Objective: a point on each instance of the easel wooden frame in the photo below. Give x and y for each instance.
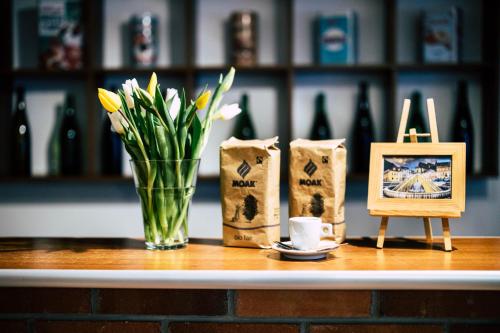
(425, 208)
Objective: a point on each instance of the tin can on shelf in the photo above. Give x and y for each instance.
(243, 27)
(144, 39)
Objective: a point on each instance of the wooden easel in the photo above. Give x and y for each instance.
(414, 139)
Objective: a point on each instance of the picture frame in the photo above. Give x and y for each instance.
(417, 179)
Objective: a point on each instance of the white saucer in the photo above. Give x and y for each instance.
(325, 246)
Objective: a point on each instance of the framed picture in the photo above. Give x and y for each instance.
(417, 179)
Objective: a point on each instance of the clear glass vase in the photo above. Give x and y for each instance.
(165, 189)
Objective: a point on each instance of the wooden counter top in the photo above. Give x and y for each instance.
(207, 264)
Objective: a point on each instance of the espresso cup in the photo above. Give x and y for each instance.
(306, 232)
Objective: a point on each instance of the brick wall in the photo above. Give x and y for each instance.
(34, 310)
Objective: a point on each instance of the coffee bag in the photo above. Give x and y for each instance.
(317, 173)
(249, 182)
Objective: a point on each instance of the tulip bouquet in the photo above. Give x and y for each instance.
(165, 137)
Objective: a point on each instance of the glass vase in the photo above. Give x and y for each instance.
(165, 189)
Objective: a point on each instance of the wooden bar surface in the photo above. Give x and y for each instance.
(356, 254)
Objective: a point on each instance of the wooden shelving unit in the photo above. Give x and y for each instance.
(285, 71)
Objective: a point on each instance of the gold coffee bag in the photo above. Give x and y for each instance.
(317, 173)
(249, 183)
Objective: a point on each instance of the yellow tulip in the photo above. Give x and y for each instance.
(202, 101)
(109, 100)
(152, 85)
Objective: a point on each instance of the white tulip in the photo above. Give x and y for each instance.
(176, 102)
(128, 88)
(118, 124)
(227, 112)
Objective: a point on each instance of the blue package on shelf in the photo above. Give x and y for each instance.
(336, 39)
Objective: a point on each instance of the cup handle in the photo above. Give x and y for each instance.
(326, 229)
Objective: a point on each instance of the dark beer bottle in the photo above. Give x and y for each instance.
(111, 148)
(244, 129)
(70, 140)
(320, 129)
(463, 130)
(416, 117)
(54, 149)
(20, 138)
(363, 131)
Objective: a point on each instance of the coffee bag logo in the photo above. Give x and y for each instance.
(310, 168)
(243, 169)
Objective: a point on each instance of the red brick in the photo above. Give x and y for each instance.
(462, 304)
(475, 328)
(382, 328)
(232, 327)
(50, 300)
(97, 326)
(302, 303)
(13, 326)
(163, 302)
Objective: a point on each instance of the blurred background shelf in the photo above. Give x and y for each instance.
(281, 88)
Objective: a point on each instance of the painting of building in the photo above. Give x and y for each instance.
(426, 177)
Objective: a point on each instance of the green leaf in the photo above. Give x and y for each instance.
(196, 137)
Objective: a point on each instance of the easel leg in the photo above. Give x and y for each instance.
(428, 229)
(381, 231)
(446, 234)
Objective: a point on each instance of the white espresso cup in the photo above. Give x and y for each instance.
(306, 232)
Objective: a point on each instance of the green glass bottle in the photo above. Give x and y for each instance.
(416, 118)
(54, 148)
(463, 130)
(320, 129)
(363, 134)
(70, 140)
(244, 129)
(20, 138)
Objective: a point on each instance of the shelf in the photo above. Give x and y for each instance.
(128, 179)
(356, 68)
(48, 74)
(275, 69)
(286, 82)
(453, 68)
(132, 71)
(65, 179)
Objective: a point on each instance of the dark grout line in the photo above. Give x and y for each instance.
(94, 300)
(231, 303)
(228, 319)
(30, 323)
(375, 304)
(304, 327)
(164, 326)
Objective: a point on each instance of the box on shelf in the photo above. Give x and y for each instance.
(336, 39)
(441, 36)
(60, 34)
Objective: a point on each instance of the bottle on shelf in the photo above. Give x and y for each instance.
(54, 149)
(20, 138)
(244, 128)
(320, 129)
(111, 148)
(70, 140)
(363, 133)
(416, 118)
(463, 129)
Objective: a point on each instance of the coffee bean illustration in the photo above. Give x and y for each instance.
(317, 205)
(250, 207)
